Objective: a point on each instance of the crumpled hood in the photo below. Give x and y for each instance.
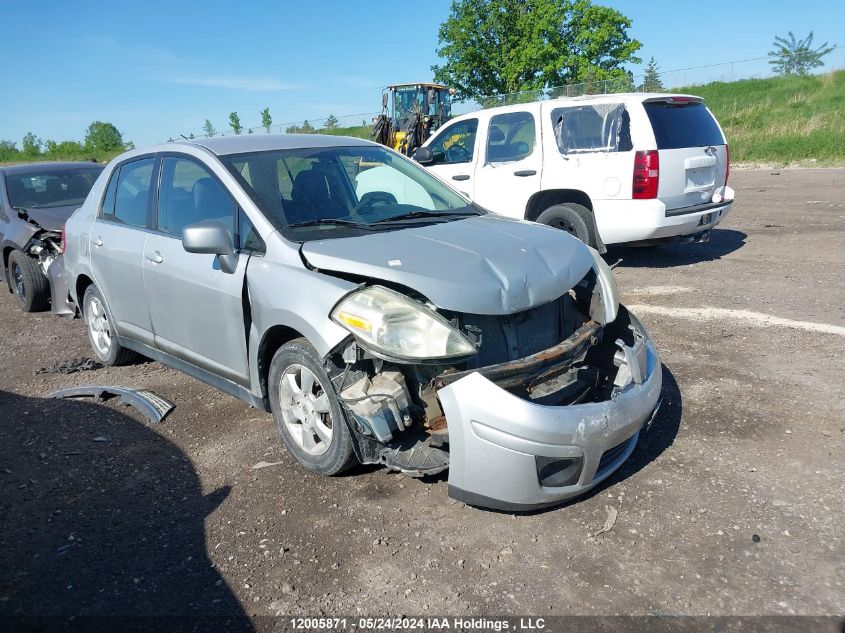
(479, 265)
(52, 219)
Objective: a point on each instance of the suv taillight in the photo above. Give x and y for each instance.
(646, 174)
(727, 163)
(63, 245)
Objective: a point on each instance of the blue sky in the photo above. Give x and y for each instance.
(156, 69)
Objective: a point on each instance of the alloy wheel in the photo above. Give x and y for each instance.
(98, 326)
(17, 276)
(305, 409)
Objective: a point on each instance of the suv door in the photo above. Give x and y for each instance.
(454, 149)
(117, 246)
(196, 309)
(513, 163)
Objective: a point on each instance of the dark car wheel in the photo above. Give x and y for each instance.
(100, 328)
(308, 414)
(575, 219)
(29, 284)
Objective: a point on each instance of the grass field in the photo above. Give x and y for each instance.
(781, 120)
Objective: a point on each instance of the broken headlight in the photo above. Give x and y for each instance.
(392, 325)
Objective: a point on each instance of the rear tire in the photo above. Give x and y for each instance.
(102, 335)
(28, 283)
(307, 411)
(575, 219)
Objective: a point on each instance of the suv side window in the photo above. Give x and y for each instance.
(511, 137)
(602, 127)
(189, 193)
(131, 196)
(455, 143)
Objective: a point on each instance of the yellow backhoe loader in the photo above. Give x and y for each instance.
(410, 113)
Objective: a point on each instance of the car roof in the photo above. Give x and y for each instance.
(244, 143)
(610, 97)
(46, 167)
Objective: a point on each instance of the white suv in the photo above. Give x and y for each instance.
(637, 167)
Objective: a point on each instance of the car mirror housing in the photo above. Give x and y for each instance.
(424, 156)
(211, 238)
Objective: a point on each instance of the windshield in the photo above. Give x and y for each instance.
(45, 189)
(324, 192)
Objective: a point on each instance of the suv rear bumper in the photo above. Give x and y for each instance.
(636, 220)
(499, 442)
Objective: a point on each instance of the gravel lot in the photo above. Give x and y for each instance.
(731, 505)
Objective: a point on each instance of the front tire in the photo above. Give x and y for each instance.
(307, 412)
(101, 332)
(575, 219)
(29, 284)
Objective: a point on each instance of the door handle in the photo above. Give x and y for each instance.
(525, 172)
(155, 257)
(97, 241)
(461, 177)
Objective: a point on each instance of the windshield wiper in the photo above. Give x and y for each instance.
(426, 214)
(330, 222)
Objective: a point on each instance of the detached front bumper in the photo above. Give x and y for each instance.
(508, 453)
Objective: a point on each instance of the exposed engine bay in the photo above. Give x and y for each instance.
(560, 353)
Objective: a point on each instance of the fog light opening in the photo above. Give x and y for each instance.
(556, 472)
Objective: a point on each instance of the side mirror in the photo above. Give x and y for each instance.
(424, 156)
(211, 238)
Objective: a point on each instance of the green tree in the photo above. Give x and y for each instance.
(305, 128)
(63, 149)
(501, 46)
(208, 128)
(266, 119)
(235, 122)
(652, 81)
(8, 150)
(792, 56)
(191, 136)
(104, 137)
(331, 123)
(31, 145)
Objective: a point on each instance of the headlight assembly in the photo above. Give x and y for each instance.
(395, 326)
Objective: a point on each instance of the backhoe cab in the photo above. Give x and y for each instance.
(410, 113)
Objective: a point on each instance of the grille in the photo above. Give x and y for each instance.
(514, 336)
(609, 457)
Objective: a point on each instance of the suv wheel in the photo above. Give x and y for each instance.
(101, 332)
(575, 219)
(308, 414)
(28, 282)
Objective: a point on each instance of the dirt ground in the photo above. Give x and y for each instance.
(731, 505)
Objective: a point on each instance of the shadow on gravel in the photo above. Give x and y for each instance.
(722, 242)
(102, 519)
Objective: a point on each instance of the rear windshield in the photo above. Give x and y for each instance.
(50, 188)
(683, 125)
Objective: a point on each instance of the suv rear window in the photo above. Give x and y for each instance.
(683, 125)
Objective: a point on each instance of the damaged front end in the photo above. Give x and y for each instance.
(525, 409)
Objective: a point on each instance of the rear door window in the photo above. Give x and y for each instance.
(132, 194)
(603, 127)
(678, 125)
(511, 137)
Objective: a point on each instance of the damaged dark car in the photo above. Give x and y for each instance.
(35, 201)
(378, 314)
